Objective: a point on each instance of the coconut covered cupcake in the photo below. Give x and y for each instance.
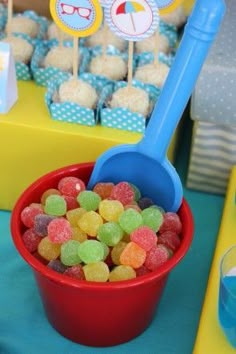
(132, 98)
(79, 92)
(61, 58)
(112, 67)
(153, 73)
(23, 24)
(22, 50)
(54, 32)
(149, 44)
(104, 36)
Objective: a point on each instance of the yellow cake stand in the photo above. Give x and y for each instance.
(33, 144)
(210, 338)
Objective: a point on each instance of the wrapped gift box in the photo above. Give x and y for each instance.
(213, 109)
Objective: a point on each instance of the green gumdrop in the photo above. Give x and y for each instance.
(69, 253)
(91, 251)
(55, 205)
(89, 200)
(152, 217)
(130, 219)
(110, 233)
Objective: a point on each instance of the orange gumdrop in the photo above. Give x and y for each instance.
(133, 255)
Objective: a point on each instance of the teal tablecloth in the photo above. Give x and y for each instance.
(24, 328)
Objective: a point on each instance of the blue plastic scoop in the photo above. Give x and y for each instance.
(145, 164)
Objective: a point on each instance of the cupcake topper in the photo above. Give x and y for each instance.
(167, 6)
(78, 19)
(133, 21)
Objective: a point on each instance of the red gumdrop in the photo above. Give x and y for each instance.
(71, 186)
(169, 239)
(144, 237)
(59, 230)
(142, 271)
(28, 214)
(71, 202)
(76, 272)
(31, 240)
(157, 256)
(123, 192)
(171, 222)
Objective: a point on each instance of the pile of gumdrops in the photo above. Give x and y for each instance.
(110, 233)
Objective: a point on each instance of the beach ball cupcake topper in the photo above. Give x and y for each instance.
(79, 18)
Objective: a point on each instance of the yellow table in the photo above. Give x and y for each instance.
(210, 337)
(33, 144)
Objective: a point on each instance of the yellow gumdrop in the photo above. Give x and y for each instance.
(74, 215)
(116, 252)
(122, 272)
(98, 271)
(90, 223)
(110, 210)
(49, 250)
(78, 235)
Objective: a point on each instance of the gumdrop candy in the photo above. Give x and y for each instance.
(90, 223)
(132, 206)
(29, 213)
(59, 230)
(71, 202)
(170, 239)
(133, 255)
(31, 240)
(137, 193)
(122, 272)
(55, 205)
(69, 253)
(110, 233)
(110, 210)
(123, 192)
(71, 186)
(157, 256)
(145, 202)
(47, 193)
(130, 220)
(74, 215)
(116, 252)
(89, 200)
(145, 237)
(49, 250)
(98, 272)
(153, 218)
(75, 272)
(103, 189)
(171, 222)
(41, 222)
(142, 271)
(57, 265)
(78, 235)
(91, 251)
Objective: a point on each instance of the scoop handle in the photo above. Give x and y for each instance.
(199, 33)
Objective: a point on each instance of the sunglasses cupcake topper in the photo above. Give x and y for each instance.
(78, 19)
(167, 6)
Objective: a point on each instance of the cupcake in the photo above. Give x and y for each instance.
(112, 67)
(149, 44)
(153, 73)
(105, 36)
(23, 24)
(59, 57)
(22, 50)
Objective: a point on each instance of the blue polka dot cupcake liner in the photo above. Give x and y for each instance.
(170, 31)
(67, 111)
(148, 58)
(122, 118)
(42, 75)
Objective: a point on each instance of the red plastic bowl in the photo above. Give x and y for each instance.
(90, 313)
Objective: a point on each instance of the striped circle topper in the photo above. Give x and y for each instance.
(132, 20)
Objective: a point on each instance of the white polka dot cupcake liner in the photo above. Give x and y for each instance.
(42, 75)
(122, 118)
(71, 112)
